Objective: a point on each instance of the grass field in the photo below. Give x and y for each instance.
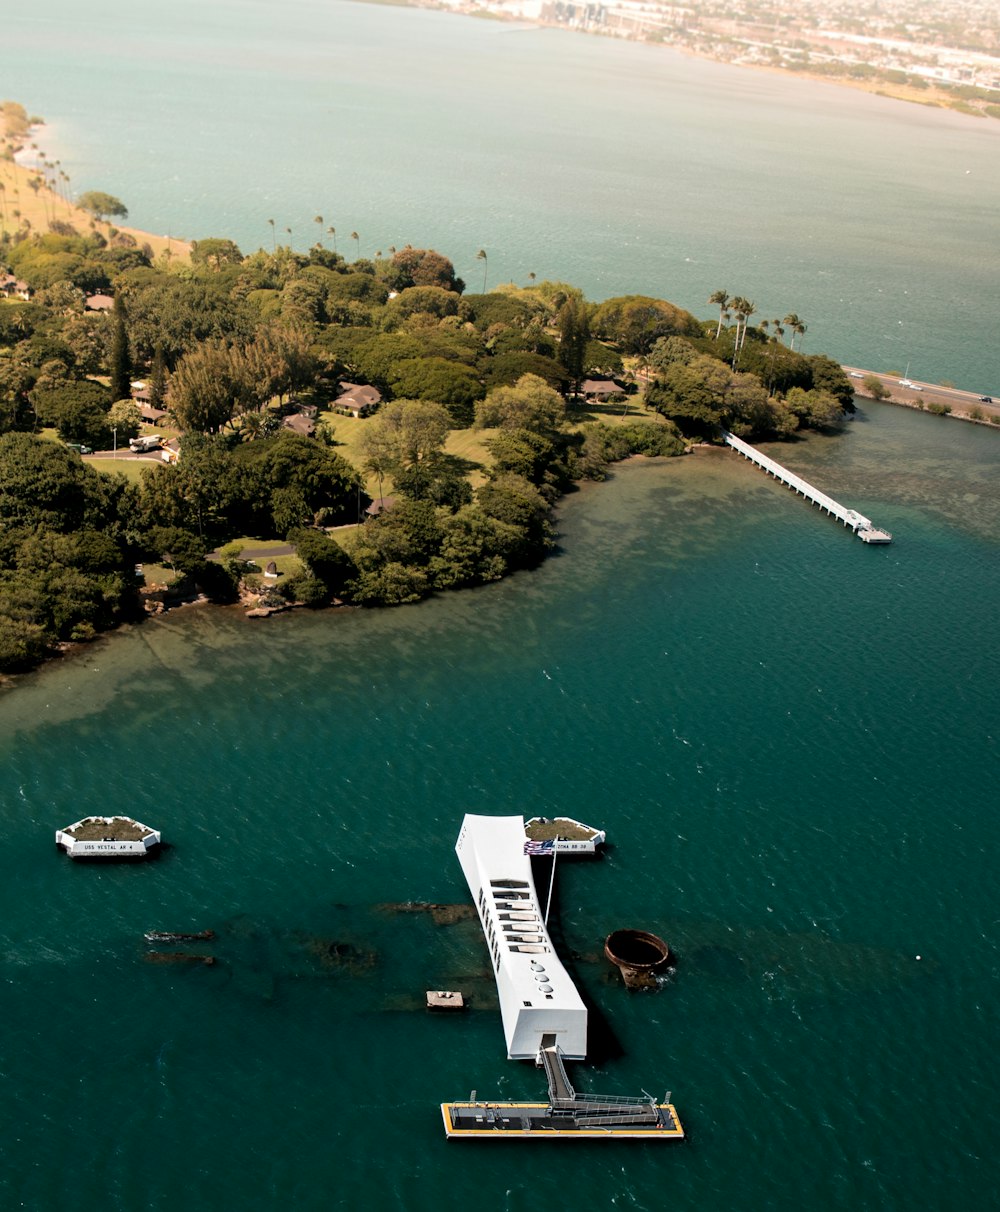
(131, 469)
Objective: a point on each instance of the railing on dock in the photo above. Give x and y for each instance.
(863, 527)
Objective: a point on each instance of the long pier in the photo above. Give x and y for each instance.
(863, 527)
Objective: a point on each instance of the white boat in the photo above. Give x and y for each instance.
(107, 837)
(561, 835)
(538, 1000)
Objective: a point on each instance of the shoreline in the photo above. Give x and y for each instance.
(32, 209)
(929, 96)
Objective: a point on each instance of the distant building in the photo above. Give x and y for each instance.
(357, 399)
(299, 423)
(600, 389)
(14, 288)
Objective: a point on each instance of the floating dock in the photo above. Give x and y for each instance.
(863, 527)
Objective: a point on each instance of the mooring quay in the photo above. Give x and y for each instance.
(863, 527)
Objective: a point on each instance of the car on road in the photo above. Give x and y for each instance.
(79, 447)
(985, 399)
(905, 383)
(856, 374)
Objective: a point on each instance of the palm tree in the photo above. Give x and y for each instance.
(288, 232)
(721, 299)
(797, 327)
(274, 243)
(357, 243)
(318, 220)
(481, 256)
(332, 231)
(748, 310)
(739, 306)
(531, 275)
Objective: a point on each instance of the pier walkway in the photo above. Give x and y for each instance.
(863, 527)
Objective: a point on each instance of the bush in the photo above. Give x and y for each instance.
(308, 591)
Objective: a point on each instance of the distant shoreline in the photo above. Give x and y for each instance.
(39, 207)
(930, 96)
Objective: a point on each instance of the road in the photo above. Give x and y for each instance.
(921, 392)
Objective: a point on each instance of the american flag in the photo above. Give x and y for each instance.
(546, 847)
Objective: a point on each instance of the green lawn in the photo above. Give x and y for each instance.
(131, 469)
(465, 444)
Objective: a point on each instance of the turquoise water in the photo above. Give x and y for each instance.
(619, 167)
(791, 739)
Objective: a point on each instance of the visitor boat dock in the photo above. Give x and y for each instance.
(863, 527)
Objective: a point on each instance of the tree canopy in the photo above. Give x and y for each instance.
(102, 205)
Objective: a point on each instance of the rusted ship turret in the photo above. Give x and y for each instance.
(638, 955)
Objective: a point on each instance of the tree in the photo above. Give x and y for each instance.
(44, 484)
(440, 380)
(515, 501)
(215, 253)
(207, 387)
(481, 256)
(326, 559)
(102, 205)
(530, 404)
(574, 338)
(874, 386)
(721, 299)
(158, 379)
(120, 362)
(78, 408)
(692, 395)
(124, 419)
(405, 432)
(796, 326)
(421, 267)
(829, 376)
(636, 322)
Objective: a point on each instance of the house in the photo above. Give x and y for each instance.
(600, 389)
(141, 398)
(357, 399)
(14, 288)
(301, 424)
(380, 505)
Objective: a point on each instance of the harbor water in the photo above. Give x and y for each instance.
(790, 737)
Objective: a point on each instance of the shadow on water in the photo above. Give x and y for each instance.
(603, 1045)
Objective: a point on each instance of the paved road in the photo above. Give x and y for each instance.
(929, 392)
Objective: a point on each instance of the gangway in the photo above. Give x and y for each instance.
(863, 527)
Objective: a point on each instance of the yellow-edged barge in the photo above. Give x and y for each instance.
(619, 1118)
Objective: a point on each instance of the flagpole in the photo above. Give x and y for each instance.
(552, 880)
